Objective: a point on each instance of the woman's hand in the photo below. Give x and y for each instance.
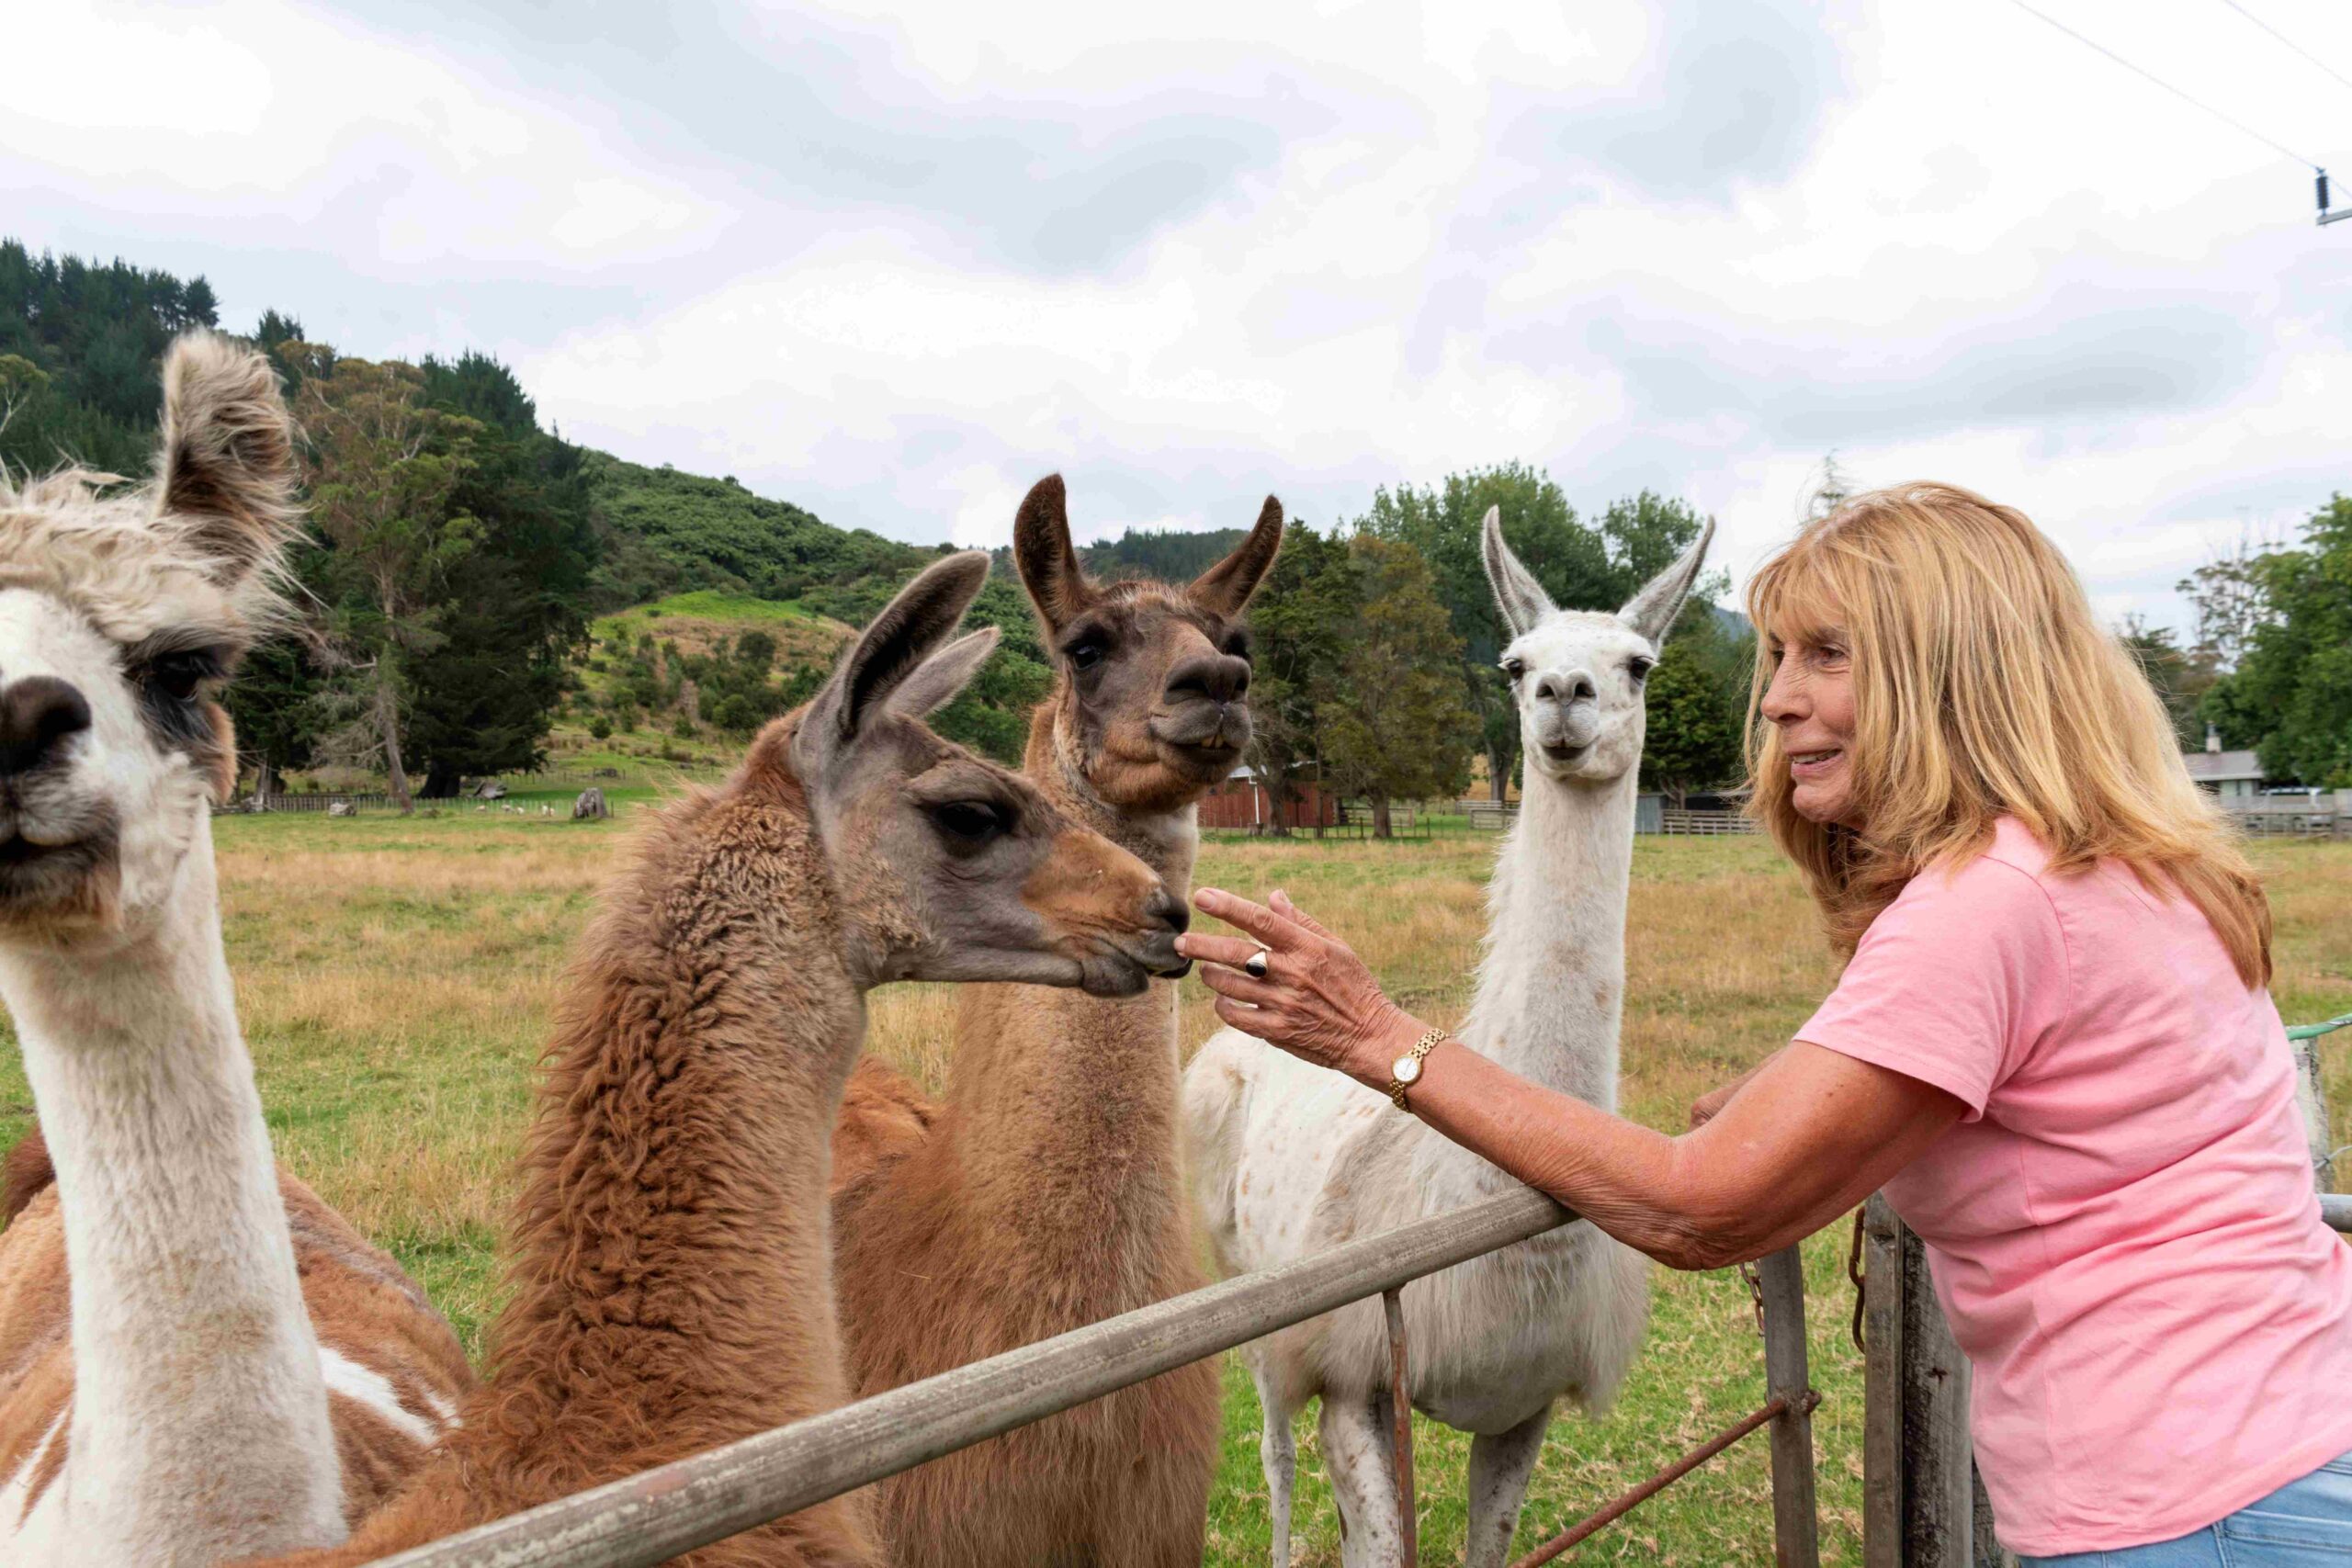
(1318, 1001)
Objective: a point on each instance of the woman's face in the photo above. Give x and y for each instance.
(1811, 700)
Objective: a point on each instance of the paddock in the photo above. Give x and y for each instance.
(395, 976)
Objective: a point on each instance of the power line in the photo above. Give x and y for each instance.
(2290, 43)
(2231, 120)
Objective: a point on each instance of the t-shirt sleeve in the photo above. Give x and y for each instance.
(1954, 983)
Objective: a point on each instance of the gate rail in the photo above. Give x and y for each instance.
(653, 1516)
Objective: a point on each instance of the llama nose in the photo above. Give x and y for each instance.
(1219, 677)
(1574, 687)
(1169, 910)
(38, 716)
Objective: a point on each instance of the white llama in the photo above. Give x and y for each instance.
(166, 1397)
(1289, 1159)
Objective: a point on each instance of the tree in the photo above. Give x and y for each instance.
(512, 610)
(1300, 627)
(1697, 708)
(1396, 723)
(2229, 596)
(384, 465)
(2180, 676)
(1831, 491)
(2293, 683)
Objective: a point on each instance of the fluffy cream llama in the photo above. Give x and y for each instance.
(1290, 1159)
(198, 1358)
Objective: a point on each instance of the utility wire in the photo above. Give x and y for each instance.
(2230, 120)
(2290, 43)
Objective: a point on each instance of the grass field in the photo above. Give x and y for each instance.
(395, 978)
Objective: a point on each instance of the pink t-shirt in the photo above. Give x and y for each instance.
(2123, 1229)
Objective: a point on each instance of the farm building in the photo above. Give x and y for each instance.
(2233, 776)
(1243, 803)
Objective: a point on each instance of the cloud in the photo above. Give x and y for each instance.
(894, 266)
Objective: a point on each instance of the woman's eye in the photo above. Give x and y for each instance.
(970, 823)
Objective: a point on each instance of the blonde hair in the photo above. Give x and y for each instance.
(1982, 688)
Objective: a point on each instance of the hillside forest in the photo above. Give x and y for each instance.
(478, 596)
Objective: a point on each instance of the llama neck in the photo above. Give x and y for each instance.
(1063, 1104)
(674, 1234)
(199, 1421)
(1550, 986)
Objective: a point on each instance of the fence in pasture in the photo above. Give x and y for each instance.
(1708, 824)
(307, 802)
(651, 1517)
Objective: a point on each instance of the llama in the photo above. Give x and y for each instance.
(673, 1258)
(1044, 1194)
(198, 1358)
(1289, 1159)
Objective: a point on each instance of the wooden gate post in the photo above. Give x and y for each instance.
(1796, 1518)
(1922, 1504)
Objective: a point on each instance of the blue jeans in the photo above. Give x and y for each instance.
(2307, 1521)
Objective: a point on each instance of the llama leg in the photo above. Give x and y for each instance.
(1355, 1456)
(1278, 1454)
(1500, 1464)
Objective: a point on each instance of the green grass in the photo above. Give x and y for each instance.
(396, 977)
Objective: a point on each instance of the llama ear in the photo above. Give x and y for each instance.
(1652, 611)
(1048, 563)
(1517, 595)
(937, 679)
(1225, 588)
(228, 460)
(892, 648)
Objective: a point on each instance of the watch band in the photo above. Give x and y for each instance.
(1407, 1068)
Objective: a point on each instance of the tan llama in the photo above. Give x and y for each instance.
(671, 1254)
(1045, 1193)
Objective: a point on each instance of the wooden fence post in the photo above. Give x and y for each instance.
(1796, 1517)
(1923, 1505)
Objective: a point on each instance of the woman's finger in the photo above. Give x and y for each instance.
(1230, 951)
(1257, 919)
(1234, 983)
(1244, 1018)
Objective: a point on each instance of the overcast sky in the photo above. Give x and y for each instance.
(894, 267)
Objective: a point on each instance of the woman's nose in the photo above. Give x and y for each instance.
(1783, 698)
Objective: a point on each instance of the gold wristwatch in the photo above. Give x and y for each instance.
(1406, 1071)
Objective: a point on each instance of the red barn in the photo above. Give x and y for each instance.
(1243, 805)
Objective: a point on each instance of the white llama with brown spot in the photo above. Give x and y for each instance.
(199, 1359)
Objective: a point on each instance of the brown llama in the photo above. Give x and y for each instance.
(671, 1257)
(198, 1358)
(1044, 1194)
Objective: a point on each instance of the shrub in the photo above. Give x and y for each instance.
(601, 727)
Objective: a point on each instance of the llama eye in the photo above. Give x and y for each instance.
(1514, 668)
(1639, 668)
(1085, 655)
(177, 675)
(969, 825)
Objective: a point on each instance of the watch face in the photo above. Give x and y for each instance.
(1408, 1069)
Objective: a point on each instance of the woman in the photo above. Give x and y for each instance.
(2054, 1046)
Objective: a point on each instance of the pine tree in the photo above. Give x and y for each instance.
(1396, 725)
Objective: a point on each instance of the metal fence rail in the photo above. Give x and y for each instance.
(658, 1514)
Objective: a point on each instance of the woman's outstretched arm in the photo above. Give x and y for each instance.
(1804, 1139)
